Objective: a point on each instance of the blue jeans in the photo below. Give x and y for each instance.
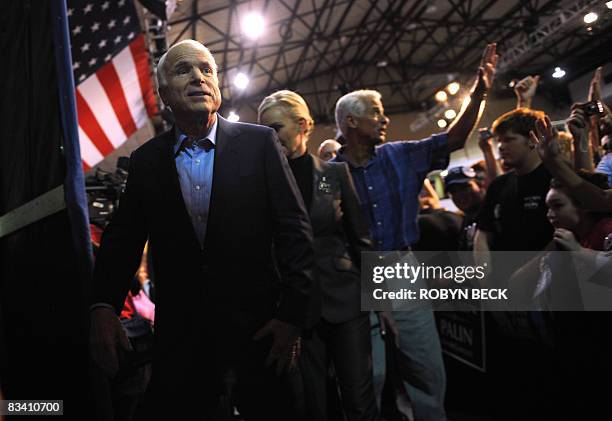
(420, 344)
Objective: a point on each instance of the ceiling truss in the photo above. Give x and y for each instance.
(406, 49)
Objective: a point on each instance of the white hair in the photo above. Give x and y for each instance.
(354, 104)
(331, 142)
(161, 71)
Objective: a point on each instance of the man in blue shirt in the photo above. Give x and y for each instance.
(232, 251)
(605, 165)
(388, 178)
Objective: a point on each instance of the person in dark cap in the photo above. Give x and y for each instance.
(467, 193)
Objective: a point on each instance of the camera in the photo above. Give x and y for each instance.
(592, 108)
(485, 133)
(103, 191)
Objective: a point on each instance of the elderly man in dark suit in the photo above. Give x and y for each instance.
(232, 252)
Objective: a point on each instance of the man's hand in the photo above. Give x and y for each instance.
(486, 71)
(286, 344)
(578, 125)
(605, 125)
(605, 122)
(566, 240)
(387, 323)
(485, 138)
(106, 335)
(525, 90)
(460, 129)
(545, 139)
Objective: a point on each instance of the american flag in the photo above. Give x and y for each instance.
(114, 92)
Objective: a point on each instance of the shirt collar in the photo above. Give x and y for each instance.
(341, 156)
(182, 137)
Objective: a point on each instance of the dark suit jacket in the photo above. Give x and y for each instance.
(340, 235)
(233, 284)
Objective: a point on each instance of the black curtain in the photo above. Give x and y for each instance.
(43, 314)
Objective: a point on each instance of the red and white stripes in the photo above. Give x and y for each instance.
(114, 102)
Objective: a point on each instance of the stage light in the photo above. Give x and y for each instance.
(590, 17)
(450, 114)
(453, 88)
(442, 123)
(559, 73)
(253, 25)
(441, 96)
(233, 117)
(382, 63)
(609, 4)
(241, 81)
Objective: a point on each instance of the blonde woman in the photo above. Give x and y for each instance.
(342, 334)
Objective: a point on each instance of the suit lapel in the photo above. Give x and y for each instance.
(164, 168)
(226, 132)
(320, 178)
(225, 177)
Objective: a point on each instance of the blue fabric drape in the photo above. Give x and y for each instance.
(74, 183)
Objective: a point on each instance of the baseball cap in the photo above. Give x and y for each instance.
(457, 175)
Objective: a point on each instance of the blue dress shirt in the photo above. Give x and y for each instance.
(194, 161)
(389, 185)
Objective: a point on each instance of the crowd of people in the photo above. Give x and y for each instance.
(256, 248)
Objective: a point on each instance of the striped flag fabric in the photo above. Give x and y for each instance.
(110, 61)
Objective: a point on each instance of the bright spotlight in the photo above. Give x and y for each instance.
(609, 4)
(441, 96)
(559, 73)
(442, 123)
(233, 117)
(453, 88)
(253, 25)
(450, 114)
(590, 17)
(241, 81)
